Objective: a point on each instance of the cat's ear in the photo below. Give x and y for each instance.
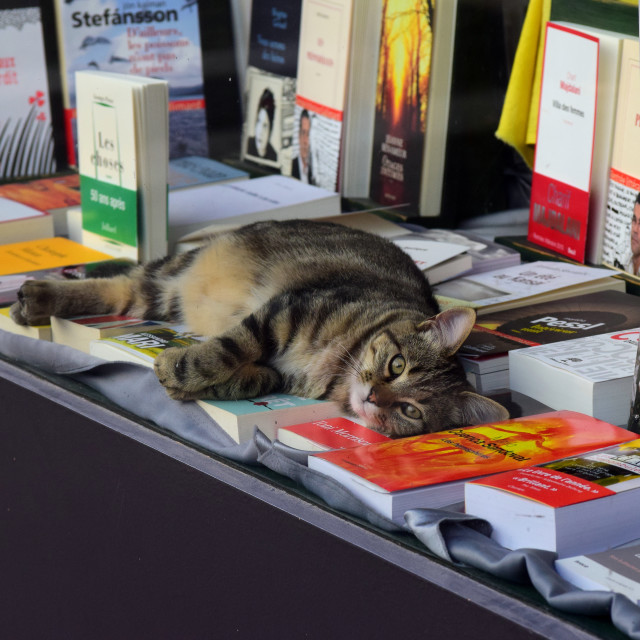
(450, 328)
(477, 409)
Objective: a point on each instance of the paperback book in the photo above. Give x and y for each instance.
(27, 144)
(616, 570)
(153, 40)
(123, 163)
(196, 171)
(236, 417)
(327, 434)
(524, 284)
(593, 374)
(39, 332)
(580, 504)
(79, 331)
(485, 352)
(429, 471)
(20, 222)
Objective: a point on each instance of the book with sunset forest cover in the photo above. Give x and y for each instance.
(412, 104)
(429, 471)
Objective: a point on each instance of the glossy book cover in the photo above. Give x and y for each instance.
(469, 452)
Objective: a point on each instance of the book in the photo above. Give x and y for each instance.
(616, 570)
(236, 417)
(79, 331)
(160, 41)
(621, 244)
(46, 257)
(593, 374)
(270, 84)
(486, 255)
(27, 142)
(429, 471)
(195, 171)
(581, 504)
(573, 145)
(269, 413)
(123, 162)
(197, 213)
(524, 284)
(412, 105)
(327, 434)
(486, 349)
(39, 332)
(323, 69)
(55, 194)
(20, 222)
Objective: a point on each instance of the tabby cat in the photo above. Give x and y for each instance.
(308, 308)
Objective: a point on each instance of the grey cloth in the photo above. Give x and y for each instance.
(455, 537)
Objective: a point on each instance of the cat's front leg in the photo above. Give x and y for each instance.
(219, 369)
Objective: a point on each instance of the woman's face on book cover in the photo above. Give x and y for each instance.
(262, 131)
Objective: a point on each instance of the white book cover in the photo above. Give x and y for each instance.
(428, 253)
(599, 358)
(26, 136)
(520, 281)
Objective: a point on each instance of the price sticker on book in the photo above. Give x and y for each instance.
(560, 187)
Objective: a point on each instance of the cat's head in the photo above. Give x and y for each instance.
(408, 380)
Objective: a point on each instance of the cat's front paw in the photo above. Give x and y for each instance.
(175, 371)
(36, 303)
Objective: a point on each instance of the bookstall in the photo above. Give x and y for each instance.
(125, 518)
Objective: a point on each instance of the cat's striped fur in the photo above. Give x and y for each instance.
(313, 309)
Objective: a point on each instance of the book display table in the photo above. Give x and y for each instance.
(114, 529)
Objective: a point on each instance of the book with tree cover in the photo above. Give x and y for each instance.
(159, 39)
(430, 470)
(581, 504)
(123, 163)
(412, 104)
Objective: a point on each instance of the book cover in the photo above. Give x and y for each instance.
(123, 163)
(549, 322)
(46, 253)
(469, 452)
(159, 40)
(27, 146)
(323, 67)
(274, 37)
(20, 222)
(412, 104)
(566, 506)
(616, 570)
(621, 241)
(593, 374)
(561, 184)
(331, 433)
(523, 284)
(79, 331)
(39, 332)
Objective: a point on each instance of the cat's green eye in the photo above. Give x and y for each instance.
(397, 365)
(411, 412)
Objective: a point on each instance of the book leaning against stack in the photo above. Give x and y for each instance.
(123, 155)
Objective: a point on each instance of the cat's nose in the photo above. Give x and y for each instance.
(372, 397)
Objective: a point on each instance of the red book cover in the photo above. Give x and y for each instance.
(575, 479)
(469, 452)
(332, 433)
(561, 180)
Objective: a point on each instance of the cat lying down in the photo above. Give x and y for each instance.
(308, 308)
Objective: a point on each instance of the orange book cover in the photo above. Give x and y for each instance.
(46, 194)
(468, 452)
(47, 253)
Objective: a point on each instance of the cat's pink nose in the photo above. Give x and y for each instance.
(372, 397)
